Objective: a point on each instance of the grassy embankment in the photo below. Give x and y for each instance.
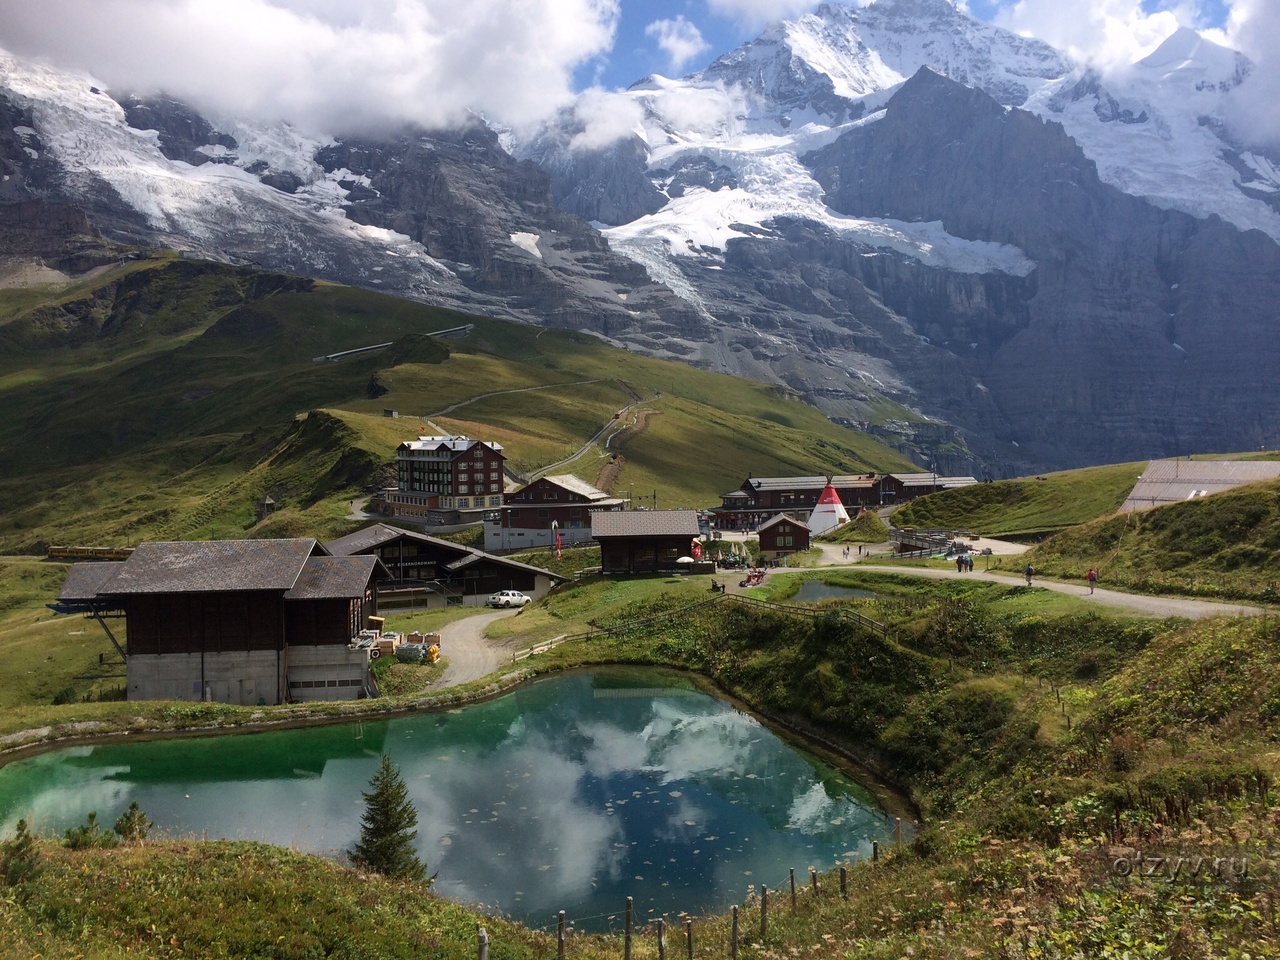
(163, 400)
(1223, 546)
(1169, 751)
(1026, 507)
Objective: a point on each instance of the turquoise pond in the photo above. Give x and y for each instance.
(570, 793)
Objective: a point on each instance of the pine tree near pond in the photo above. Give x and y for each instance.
(387, 829)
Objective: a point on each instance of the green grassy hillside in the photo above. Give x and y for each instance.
(1224, 546)
(1030, 505)
(1047, 752)
(162, 400)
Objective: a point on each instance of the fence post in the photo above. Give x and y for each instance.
(793, 889)
(844, 882)
(764, 912)
(560, 936)
(626, 942)
(688, 935)
(483, 947)
(813, 877)
(897, 831)
(875, 851)
(662, 939)
(733, 941)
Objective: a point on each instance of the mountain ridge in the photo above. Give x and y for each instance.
(716, 242)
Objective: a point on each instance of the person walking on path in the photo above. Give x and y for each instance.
(1092, 577)
(1030, 571)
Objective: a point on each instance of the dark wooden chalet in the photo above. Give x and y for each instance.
(644, 541)
(531, 516)
(429, 571)
(781, 536)
(237, 621)
(761, 498)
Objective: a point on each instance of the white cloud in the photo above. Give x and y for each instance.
(1253, 28)
(1106, 33)
(757, 13)
(605, 117)
(679, 39)
(325, 65)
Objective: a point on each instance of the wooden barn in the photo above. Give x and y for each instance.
(431, 572)
(236, 621)
(644, 541)
(781, 536)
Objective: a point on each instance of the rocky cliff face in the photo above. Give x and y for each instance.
(1146, 332)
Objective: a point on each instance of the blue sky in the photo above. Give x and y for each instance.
(336, 66)
(722, 25)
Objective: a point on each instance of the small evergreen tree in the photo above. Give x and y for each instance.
(90, 835)
(19, 858)
(133, 825)
(387, 828)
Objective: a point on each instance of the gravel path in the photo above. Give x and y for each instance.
(1148, 606)
(468, 653)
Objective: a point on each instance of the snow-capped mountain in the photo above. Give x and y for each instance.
(895, 201)
(724, 159)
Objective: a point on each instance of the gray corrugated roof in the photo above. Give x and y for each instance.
(932, 479)
(85, 580)
(1172, 481)
(804, 483)
(211, 566)
(373, 536)
(644, 523)
(380, 533)
(333, 578)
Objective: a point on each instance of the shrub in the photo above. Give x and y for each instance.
(90, 835)
(64, 696)
(19, 858)
(133, 825)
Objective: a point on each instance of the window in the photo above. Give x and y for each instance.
(495, 475)
(463, 488)
(495, 501)
(463, 501)
(463, 478)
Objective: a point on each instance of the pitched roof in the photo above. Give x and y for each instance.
(455, 444)
(568, 481)
(644, 523)
(380, 533)
(84, 580)
(778, 519)
(325, 578)
(208, 566)
(367, 538)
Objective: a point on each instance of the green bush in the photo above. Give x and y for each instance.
(133, 825)
(90, 835)
(19, 858)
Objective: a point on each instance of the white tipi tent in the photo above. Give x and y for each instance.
(829, 512)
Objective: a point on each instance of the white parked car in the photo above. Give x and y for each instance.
(507, 598)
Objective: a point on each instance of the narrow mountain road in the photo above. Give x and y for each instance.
(469, 654)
